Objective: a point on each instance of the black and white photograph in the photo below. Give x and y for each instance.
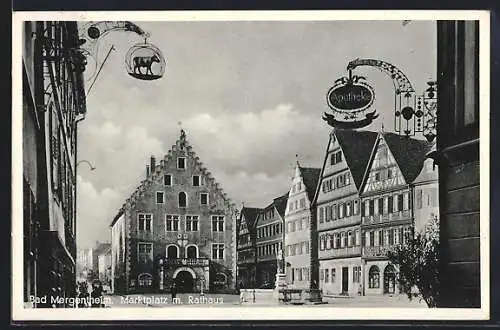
(250, 165)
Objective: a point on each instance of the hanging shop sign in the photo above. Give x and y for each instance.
(350, 99)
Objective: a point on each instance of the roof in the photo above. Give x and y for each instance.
(250, 214)
(356, 147)
(117, 216)
(310, 177)
(409, 154)
(280, 204)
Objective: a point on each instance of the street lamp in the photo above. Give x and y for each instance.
(86, 161)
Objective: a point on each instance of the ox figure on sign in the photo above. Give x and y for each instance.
(145, 62)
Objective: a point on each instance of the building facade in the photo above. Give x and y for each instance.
(177, 227)
(246, 248)
(53, 103)
(104, 266)
(269, 241)
(338, 207)
(458, 159)
(297, 241)
(388, 212)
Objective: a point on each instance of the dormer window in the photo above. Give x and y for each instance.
(167, 180)
(182, 199)
(196, 180)
(181, 162)
(160, 197)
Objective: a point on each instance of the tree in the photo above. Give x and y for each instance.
(418, 263)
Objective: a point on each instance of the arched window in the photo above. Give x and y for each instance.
(374, 277)
(191, 251)
(145, 280)
(182, 199)
(172, 252)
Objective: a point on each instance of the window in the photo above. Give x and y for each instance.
(204, 198)
(342, 239)
(348, 209)
(406, 201)
(356, 274)
(400, 202)
(341, 211)
(321, 215)
(172, 251)
(328, 242)
(182, 199)
(192, 222)
(374, 277)
(356, 207)
(333, 275)
(380, 206)
(349, 238)
(381, 237)
(299, 186)
(390, 204)
(144, 252)
(377, 176)
(389, 173)
(406, 234)
(181, 162)
(218, 251)
(218, 223)
(332, 241)
(327, 273)
(160, 197)
(192, 252)
(145, 222)
(371, 209)
(299, 274)
(172, 222)
(372, 238)
(334, 212)
(302, 203)
(321, 275)
(322, 242)
(356, 238)
(167, 180)
(306, 247)
(337, 240)
(391, 236)
(418, 197)
(196, 180)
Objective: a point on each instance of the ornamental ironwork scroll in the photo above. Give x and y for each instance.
(412, 114)
(142, 56)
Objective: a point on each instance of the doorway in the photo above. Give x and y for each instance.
(345, 280)
(389, 280)
(184, 282)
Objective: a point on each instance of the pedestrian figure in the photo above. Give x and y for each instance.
(96, 294)
(173, 291)
(83, 295)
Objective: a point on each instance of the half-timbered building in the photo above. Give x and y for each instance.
(387, 205)
(338, 218)
(246, 248)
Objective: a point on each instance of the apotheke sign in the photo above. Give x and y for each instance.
(350, 96)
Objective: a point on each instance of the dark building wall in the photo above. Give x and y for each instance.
(49, 153)
(458, 159)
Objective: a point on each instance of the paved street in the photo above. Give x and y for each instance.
(227, 300)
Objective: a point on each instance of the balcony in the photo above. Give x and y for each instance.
(377, 251)
(384, 218)
(191, 262)
(344, 252)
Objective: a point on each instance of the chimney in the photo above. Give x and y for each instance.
(147, 171)
(153, 164)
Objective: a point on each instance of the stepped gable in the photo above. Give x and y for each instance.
(159, 168)
(409, 154)
(280, 204)
(310, 177)
(357, 147)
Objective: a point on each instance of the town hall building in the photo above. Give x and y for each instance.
(178, 227)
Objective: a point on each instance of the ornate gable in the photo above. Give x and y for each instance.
(383, 170)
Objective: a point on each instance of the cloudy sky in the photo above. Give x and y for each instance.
(250, 96)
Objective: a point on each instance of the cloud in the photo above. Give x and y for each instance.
(95, 212)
